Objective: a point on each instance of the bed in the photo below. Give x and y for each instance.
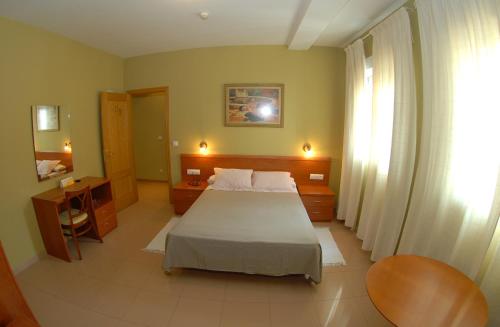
(267, 233)
(52, 164)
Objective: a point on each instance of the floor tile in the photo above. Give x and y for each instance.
(152, 309)
(246, 314)
(204, 285)
(288, 289)
(194, 312)
(246, 288)
(294, 314)
(114, 299)
(334, 286)
(340, 313)
(371, 314)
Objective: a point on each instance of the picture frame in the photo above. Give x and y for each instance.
(254, 105)
(47, 118)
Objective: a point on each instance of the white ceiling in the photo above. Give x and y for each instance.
(135, 27)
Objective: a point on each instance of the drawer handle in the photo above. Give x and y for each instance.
(316, 212)
(317, 201)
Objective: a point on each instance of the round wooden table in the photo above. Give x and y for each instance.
(411, 290)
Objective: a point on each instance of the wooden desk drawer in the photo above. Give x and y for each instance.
(320, 213)
(107, 224)
(105, 210)
(186, 195)
(105, 217)
(317, 201)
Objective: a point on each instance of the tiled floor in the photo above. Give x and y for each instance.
(117, 284)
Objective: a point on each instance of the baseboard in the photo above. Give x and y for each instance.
(25, 265)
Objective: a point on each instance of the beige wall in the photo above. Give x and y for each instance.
(38, 67)
(313, 103)
(149, 123)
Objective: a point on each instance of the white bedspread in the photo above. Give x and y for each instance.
(250, 232)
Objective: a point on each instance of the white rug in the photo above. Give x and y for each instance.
(330, 251)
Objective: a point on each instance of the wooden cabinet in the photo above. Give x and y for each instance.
(318, 200)
(48, 205)
(184, 195)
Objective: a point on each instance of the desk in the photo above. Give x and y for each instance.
(411, 290)
(49, 204)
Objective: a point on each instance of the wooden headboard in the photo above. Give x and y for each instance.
(65, 157)
(299, 167)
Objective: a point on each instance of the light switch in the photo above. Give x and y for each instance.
(175, 143)
(160, 138)
(316, 177)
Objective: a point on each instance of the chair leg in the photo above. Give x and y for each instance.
(77, 244)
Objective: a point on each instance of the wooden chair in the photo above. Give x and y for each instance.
(78, 218)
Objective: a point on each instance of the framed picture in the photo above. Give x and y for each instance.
(47, 118)
(254, 105)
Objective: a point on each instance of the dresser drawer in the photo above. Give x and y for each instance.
(317, 201)
(186, 195)
(107, 224)
(320, 213)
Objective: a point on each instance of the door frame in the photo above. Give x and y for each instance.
(161, 90)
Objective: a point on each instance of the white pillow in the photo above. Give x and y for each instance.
(59, 167)
(211, 180)
(46, 166)
(272, 181)
(232, 179)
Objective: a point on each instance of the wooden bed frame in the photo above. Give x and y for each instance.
(299, 167)
(65, 157)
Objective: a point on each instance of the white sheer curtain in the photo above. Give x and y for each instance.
(454, 207)
(393, 137)
(356, 134)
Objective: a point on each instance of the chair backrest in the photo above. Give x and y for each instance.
(82, 198)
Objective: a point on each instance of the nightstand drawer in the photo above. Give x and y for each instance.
(317, 201)
(180, 207)
(186, 195)
(320, 213)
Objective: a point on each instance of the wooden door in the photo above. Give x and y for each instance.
(116, 125)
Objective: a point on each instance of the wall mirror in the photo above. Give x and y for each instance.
(51, 141)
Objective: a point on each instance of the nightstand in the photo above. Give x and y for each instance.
(319, 201)
(184, 195)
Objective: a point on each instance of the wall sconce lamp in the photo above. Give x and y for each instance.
(67, 146)
(203, 147)
(308, 152)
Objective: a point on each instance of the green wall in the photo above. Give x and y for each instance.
(149, 123)
(38, 67)
(313, 99)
